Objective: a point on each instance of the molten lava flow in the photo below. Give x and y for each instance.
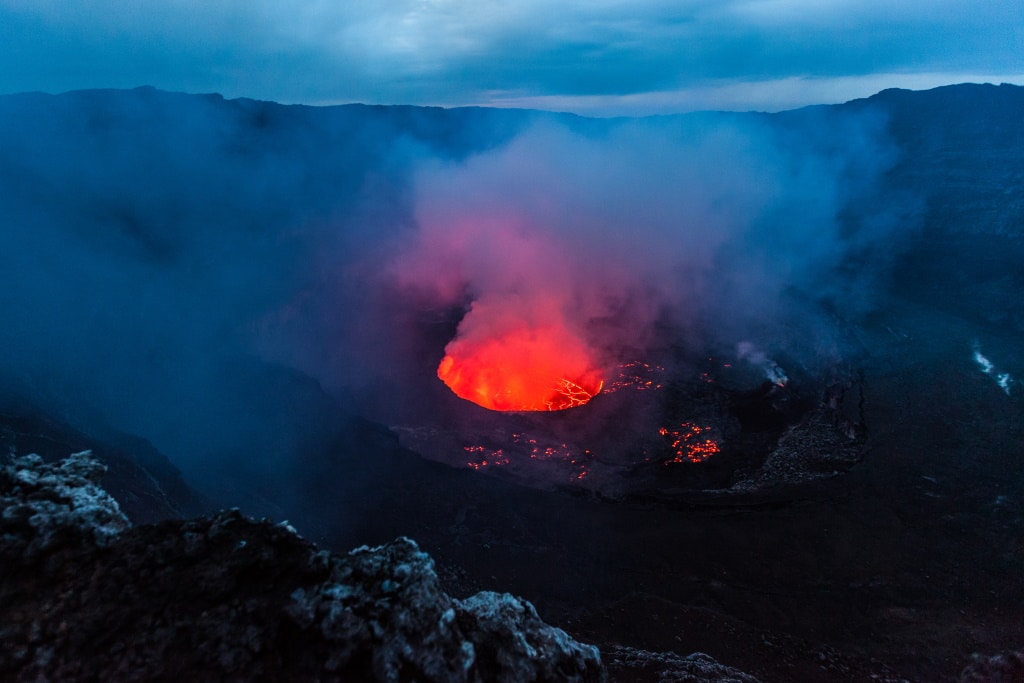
(486, 457)
(522, 369)
(637, 375)
(690, 443)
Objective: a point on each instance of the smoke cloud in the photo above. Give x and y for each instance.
(709, 231)
(224, 277)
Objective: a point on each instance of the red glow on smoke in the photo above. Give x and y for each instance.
(522, 369)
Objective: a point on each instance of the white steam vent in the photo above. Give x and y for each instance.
(1003, 379)
(772, 370)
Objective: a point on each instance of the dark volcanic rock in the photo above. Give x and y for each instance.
(84, 597)
(147, 487)
(47, 506)
(1005, 667)
(513, 643)
(628, 663)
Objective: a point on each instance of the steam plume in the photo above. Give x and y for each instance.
(185, 266)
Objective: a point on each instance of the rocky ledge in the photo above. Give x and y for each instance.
(85, 596)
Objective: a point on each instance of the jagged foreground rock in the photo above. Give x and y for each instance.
(85, 597)
(1005, 667)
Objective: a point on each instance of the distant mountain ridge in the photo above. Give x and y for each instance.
(964, 149)
(962, 145)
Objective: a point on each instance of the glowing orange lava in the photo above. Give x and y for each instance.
(690, 443)
(522, 369)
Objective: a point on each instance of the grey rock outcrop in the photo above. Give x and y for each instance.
(1005, 667)
(46, 505)
(83, 597)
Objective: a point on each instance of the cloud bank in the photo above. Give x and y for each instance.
(639, 55)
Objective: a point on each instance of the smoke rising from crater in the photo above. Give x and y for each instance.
(196, 270)
(715, 231)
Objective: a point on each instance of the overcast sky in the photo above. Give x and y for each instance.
(590, 56)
